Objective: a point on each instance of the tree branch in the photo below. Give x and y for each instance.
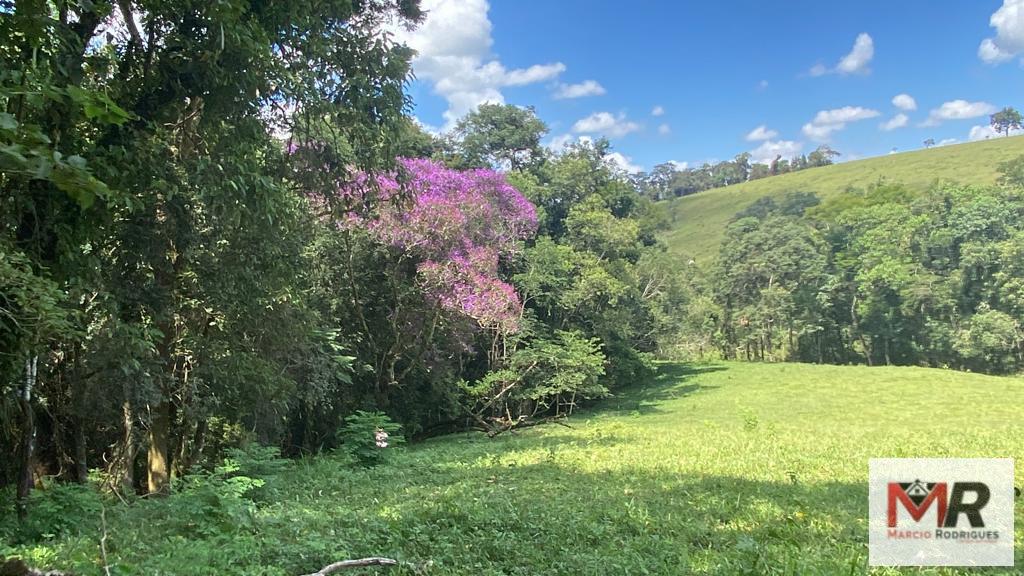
(374, 561)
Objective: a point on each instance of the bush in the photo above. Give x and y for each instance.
(368, 436)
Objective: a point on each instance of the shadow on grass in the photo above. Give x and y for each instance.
(672, 381)
(550, 518)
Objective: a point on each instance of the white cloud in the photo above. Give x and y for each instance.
(844, 114)
(826, 122)
(898, 121)
(769, 149)
(679, 165)
(904, 102)
(605, 124)
(664, 129)
(556, 143)
(625, 163)
(761, 133)
(958, 110)
(820, 133)
(658, 111)
(453, 46)
(1008, 42)
(947, 141)
(986, 131)
(581, 90)
(856, 62)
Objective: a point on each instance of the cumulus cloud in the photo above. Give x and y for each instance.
(556, 143)
(769, 149)
(826, 122)
(844, 114)
(658, 111)
(664, 129)
(581, 90)
(605, 124)
(904, 102)
(453, 46)
(761, 133)
(856, 62)
(958, 110)
(621, 162)
(986, 131)
(947, 141)
(898, 121)
(1008, 42)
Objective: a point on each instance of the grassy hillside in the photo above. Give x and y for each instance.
(718, 469)
(699, 220)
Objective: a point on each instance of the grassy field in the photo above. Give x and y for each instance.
(699, 220)
(714, 469)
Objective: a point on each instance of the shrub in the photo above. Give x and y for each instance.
(368, 436)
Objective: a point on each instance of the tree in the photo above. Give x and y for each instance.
(929, 142)
(1005, 120)
(156, 148)
(499, 136)
(822, 156)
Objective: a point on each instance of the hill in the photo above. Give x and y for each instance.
(699, 220)
(731, 468)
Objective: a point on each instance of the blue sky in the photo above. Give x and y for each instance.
(716, 71)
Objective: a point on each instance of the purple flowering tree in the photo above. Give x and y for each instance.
(457, 225)
(441, 235)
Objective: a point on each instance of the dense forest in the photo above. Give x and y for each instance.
(220, 226)
(885, 275)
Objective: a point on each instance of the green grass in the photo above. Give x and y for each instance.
(716, 469)
(699, 220)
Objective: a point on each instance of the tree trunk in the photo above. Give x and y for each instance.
(158, 477)
(81, 451)
(128, 448)
(28, 437)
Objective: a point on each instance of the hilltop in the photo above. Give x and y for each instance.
(699, 220)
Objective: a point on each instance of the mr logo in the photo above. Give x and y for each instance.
(940, 512)
(917, 497)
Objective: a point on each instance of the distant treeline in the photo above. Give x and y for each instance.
(667, 180)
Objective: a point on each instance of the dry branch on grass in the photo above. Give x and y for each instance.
(363, 562)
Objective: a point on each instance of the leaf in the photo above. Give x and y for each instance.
(7, 121)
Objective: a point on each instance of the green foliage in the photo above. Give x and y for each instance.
(370, 437)
(884, 276)
(59, 511)
(155, 230)
(500, 136)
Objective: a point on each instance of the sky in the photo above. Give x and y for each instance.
(692, 82)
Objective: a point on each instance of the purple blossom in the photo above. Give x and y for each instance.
(458, 225)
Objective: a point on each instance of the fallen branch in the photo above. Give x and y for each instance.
(524, 422)
(332, 568)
